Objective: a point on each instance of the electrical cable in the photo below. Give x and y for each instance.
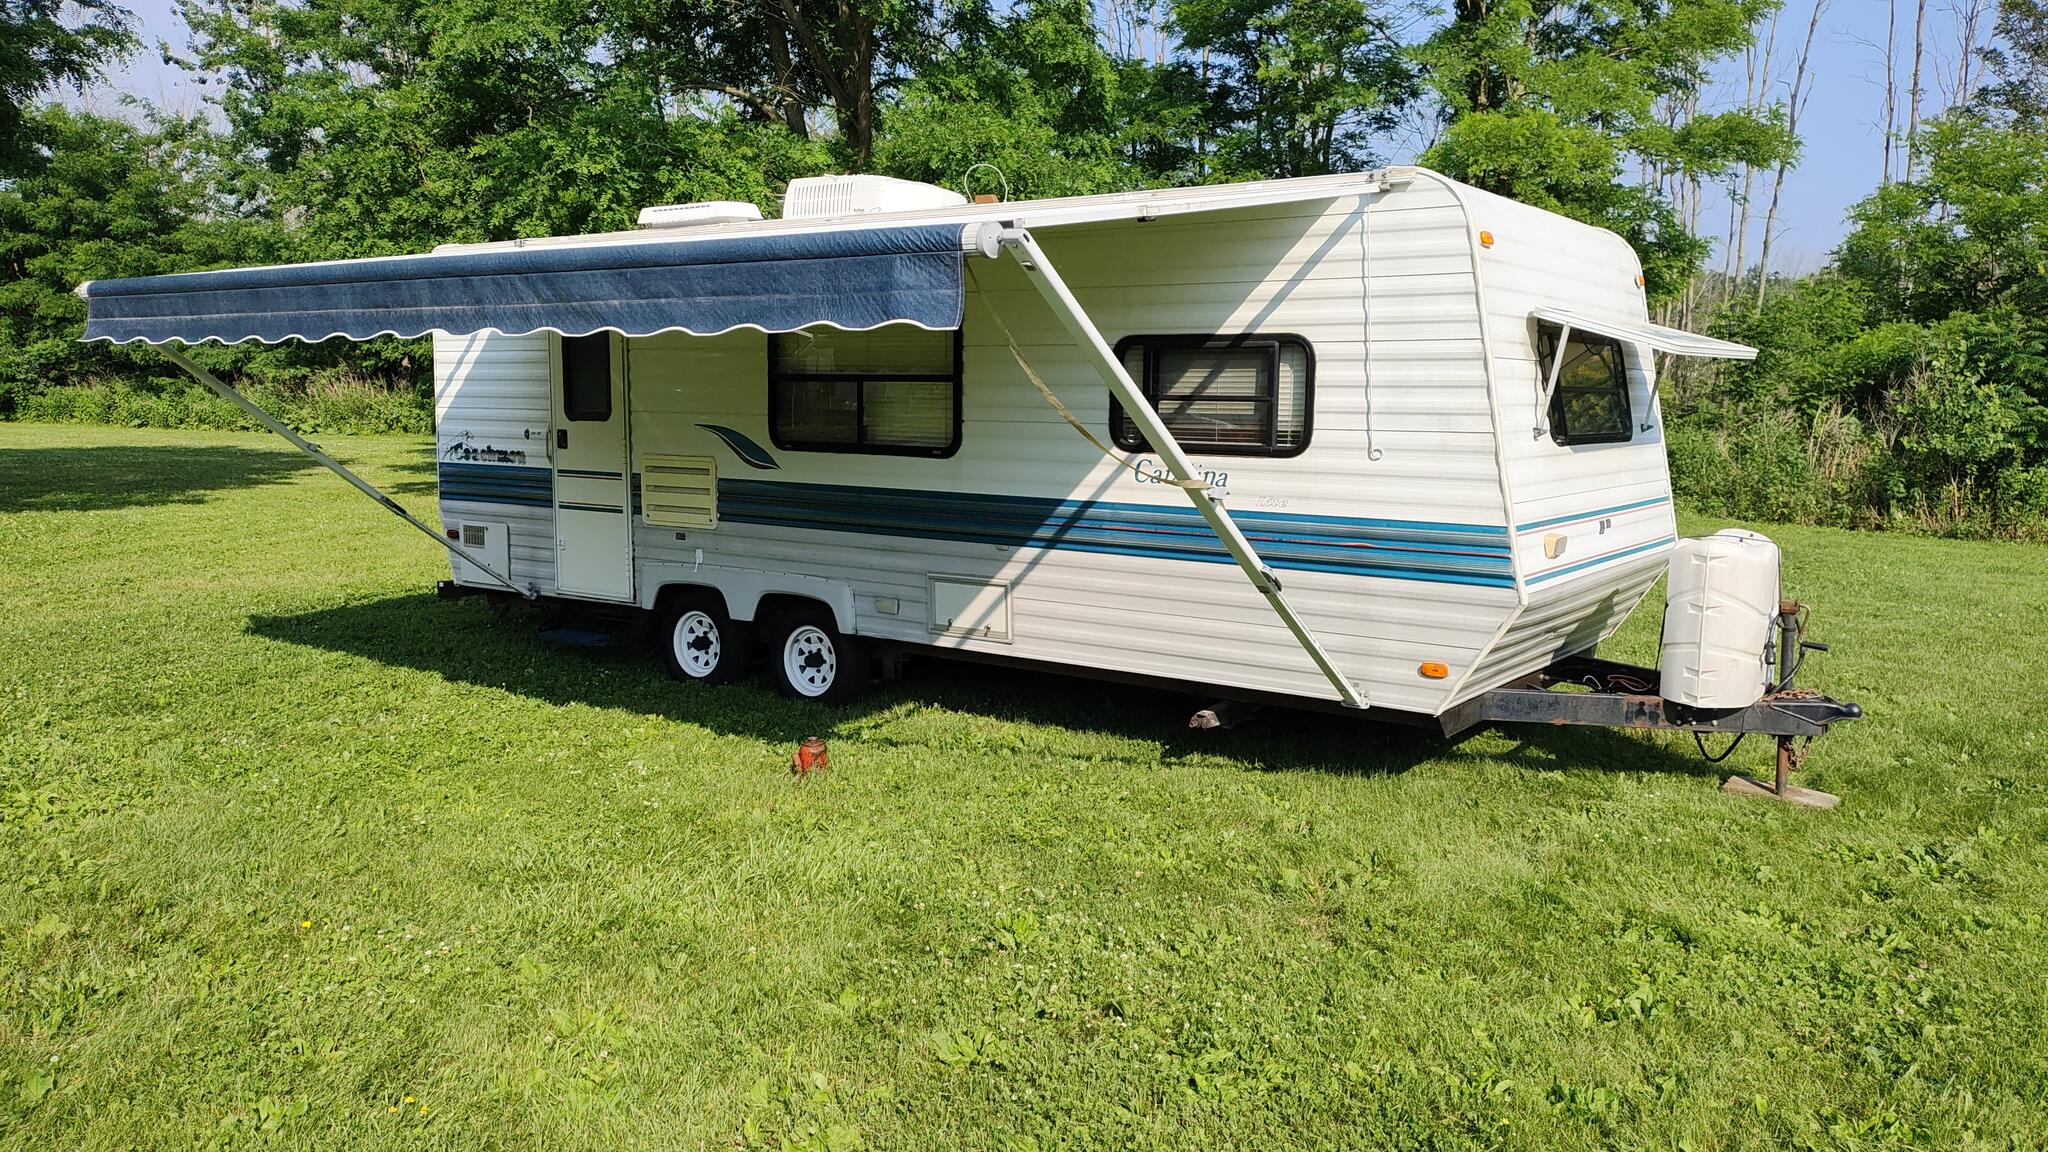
(1701, 740)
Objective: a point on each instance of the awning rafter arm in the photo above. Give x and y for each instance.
(993, 240)
(311, 449)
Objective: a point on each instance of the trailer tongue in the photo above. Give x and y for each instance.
(1585, 690)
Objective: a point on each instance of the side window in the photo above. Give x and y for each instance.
(587, 376)
(892, 391)
(1224, 395)
(1590, 405)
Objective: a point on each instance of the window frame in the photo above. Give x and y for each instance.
(1620, 383)
(570, 412)
(777, 377)
(1149, 386)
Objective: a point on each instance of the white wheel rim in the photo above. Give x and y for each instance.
(697, 644)
(810, 661)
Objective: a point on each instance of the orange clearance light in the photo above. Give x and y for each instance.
(1485, 238)
(1431, 670)
(1639, 279)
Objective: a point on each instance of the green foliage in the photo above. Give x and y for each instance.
(1929, 333)
(102, 198)
(386, 128)
(295, 855)
(333, 401)
(1029, 91)
(1298, 87)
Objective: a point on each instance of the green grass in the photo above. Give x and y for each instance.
(293, 854)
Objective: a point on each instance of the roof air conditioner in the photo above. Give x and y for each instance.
(812, 197)
(700, 213)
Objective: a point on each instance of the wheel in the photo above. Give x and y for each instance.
(813, 660)
(701, 643)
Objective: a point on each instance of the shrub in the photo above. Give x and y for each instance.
(334, 402)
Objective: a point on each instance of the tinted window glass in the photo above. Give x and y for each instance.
(1228, 395)
(1590, 405)
(587, 377)
(893, 390)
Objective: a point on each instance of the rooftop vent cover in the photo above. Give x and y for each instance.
(703, 212)
(813, 197)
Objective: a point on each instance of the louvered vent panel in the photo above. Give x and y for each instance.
(679, 491)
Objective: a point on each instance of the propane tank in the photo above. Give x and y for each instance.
(1719, 606)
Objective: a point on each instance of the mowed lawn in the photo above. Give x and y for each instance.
(293, 854)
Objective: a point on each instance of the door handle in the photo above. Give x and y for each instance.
(561, 437)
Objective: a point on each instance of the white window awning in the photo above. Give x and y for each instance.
(1675, 341)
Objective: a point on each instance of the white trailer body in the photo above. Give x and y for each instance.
(1431, 526)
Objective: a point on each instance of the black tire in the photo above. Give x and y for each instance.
(700, 643)
(811, 659)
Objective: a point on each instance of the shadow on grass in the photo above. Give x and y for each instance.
(469, 642)
(131, 476)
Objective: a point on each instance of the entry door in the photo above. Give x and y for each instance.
(593, 505)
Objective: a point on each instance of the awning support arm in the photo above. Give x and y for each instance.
(1089, 339)
(1564, 335)
(331, 464)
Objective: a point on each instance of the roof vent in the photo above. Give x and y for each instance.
(700, 213)
(813, 197)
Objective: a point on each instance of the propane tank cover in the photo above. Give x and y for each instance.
(1720, 602)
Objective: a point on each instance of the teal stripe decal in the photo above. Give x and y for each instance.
(1571, 516)
(1601, 559)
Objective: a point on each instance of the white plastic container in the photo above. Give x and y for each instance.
(1718, 612)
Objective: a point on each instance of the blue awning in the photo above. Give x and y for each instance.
(850, 278)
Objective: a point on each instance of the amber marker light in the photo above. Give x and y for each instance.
(1485, 238)
(1431, 670)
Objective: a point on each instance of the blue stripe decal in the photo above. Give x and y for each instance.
(1455, 553)
(512, 472)
(498, 484)
(588, 474)
(1601, 559)
(1569, 517)
(1475, 554)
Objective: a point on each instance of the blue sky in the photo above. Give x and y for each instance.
(1842, 125)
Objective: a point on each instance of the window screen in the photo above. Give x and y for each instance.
(1227, 395)
(893, 390)
(587, 376)
(1590, 405)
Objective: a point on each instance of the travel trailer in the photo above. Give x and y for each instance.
(1378, 441)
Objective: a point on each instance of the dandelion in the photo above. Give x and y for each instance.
(423, 1109)
(408, 1100)
(393, 1109)
(305, 923)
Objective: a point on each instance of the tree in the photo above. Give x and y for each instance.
(1298, 86)
(1032, 92)
(102, 198)
(1544, 100)
(2017, 61)
(380, 126)
(40, 49)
